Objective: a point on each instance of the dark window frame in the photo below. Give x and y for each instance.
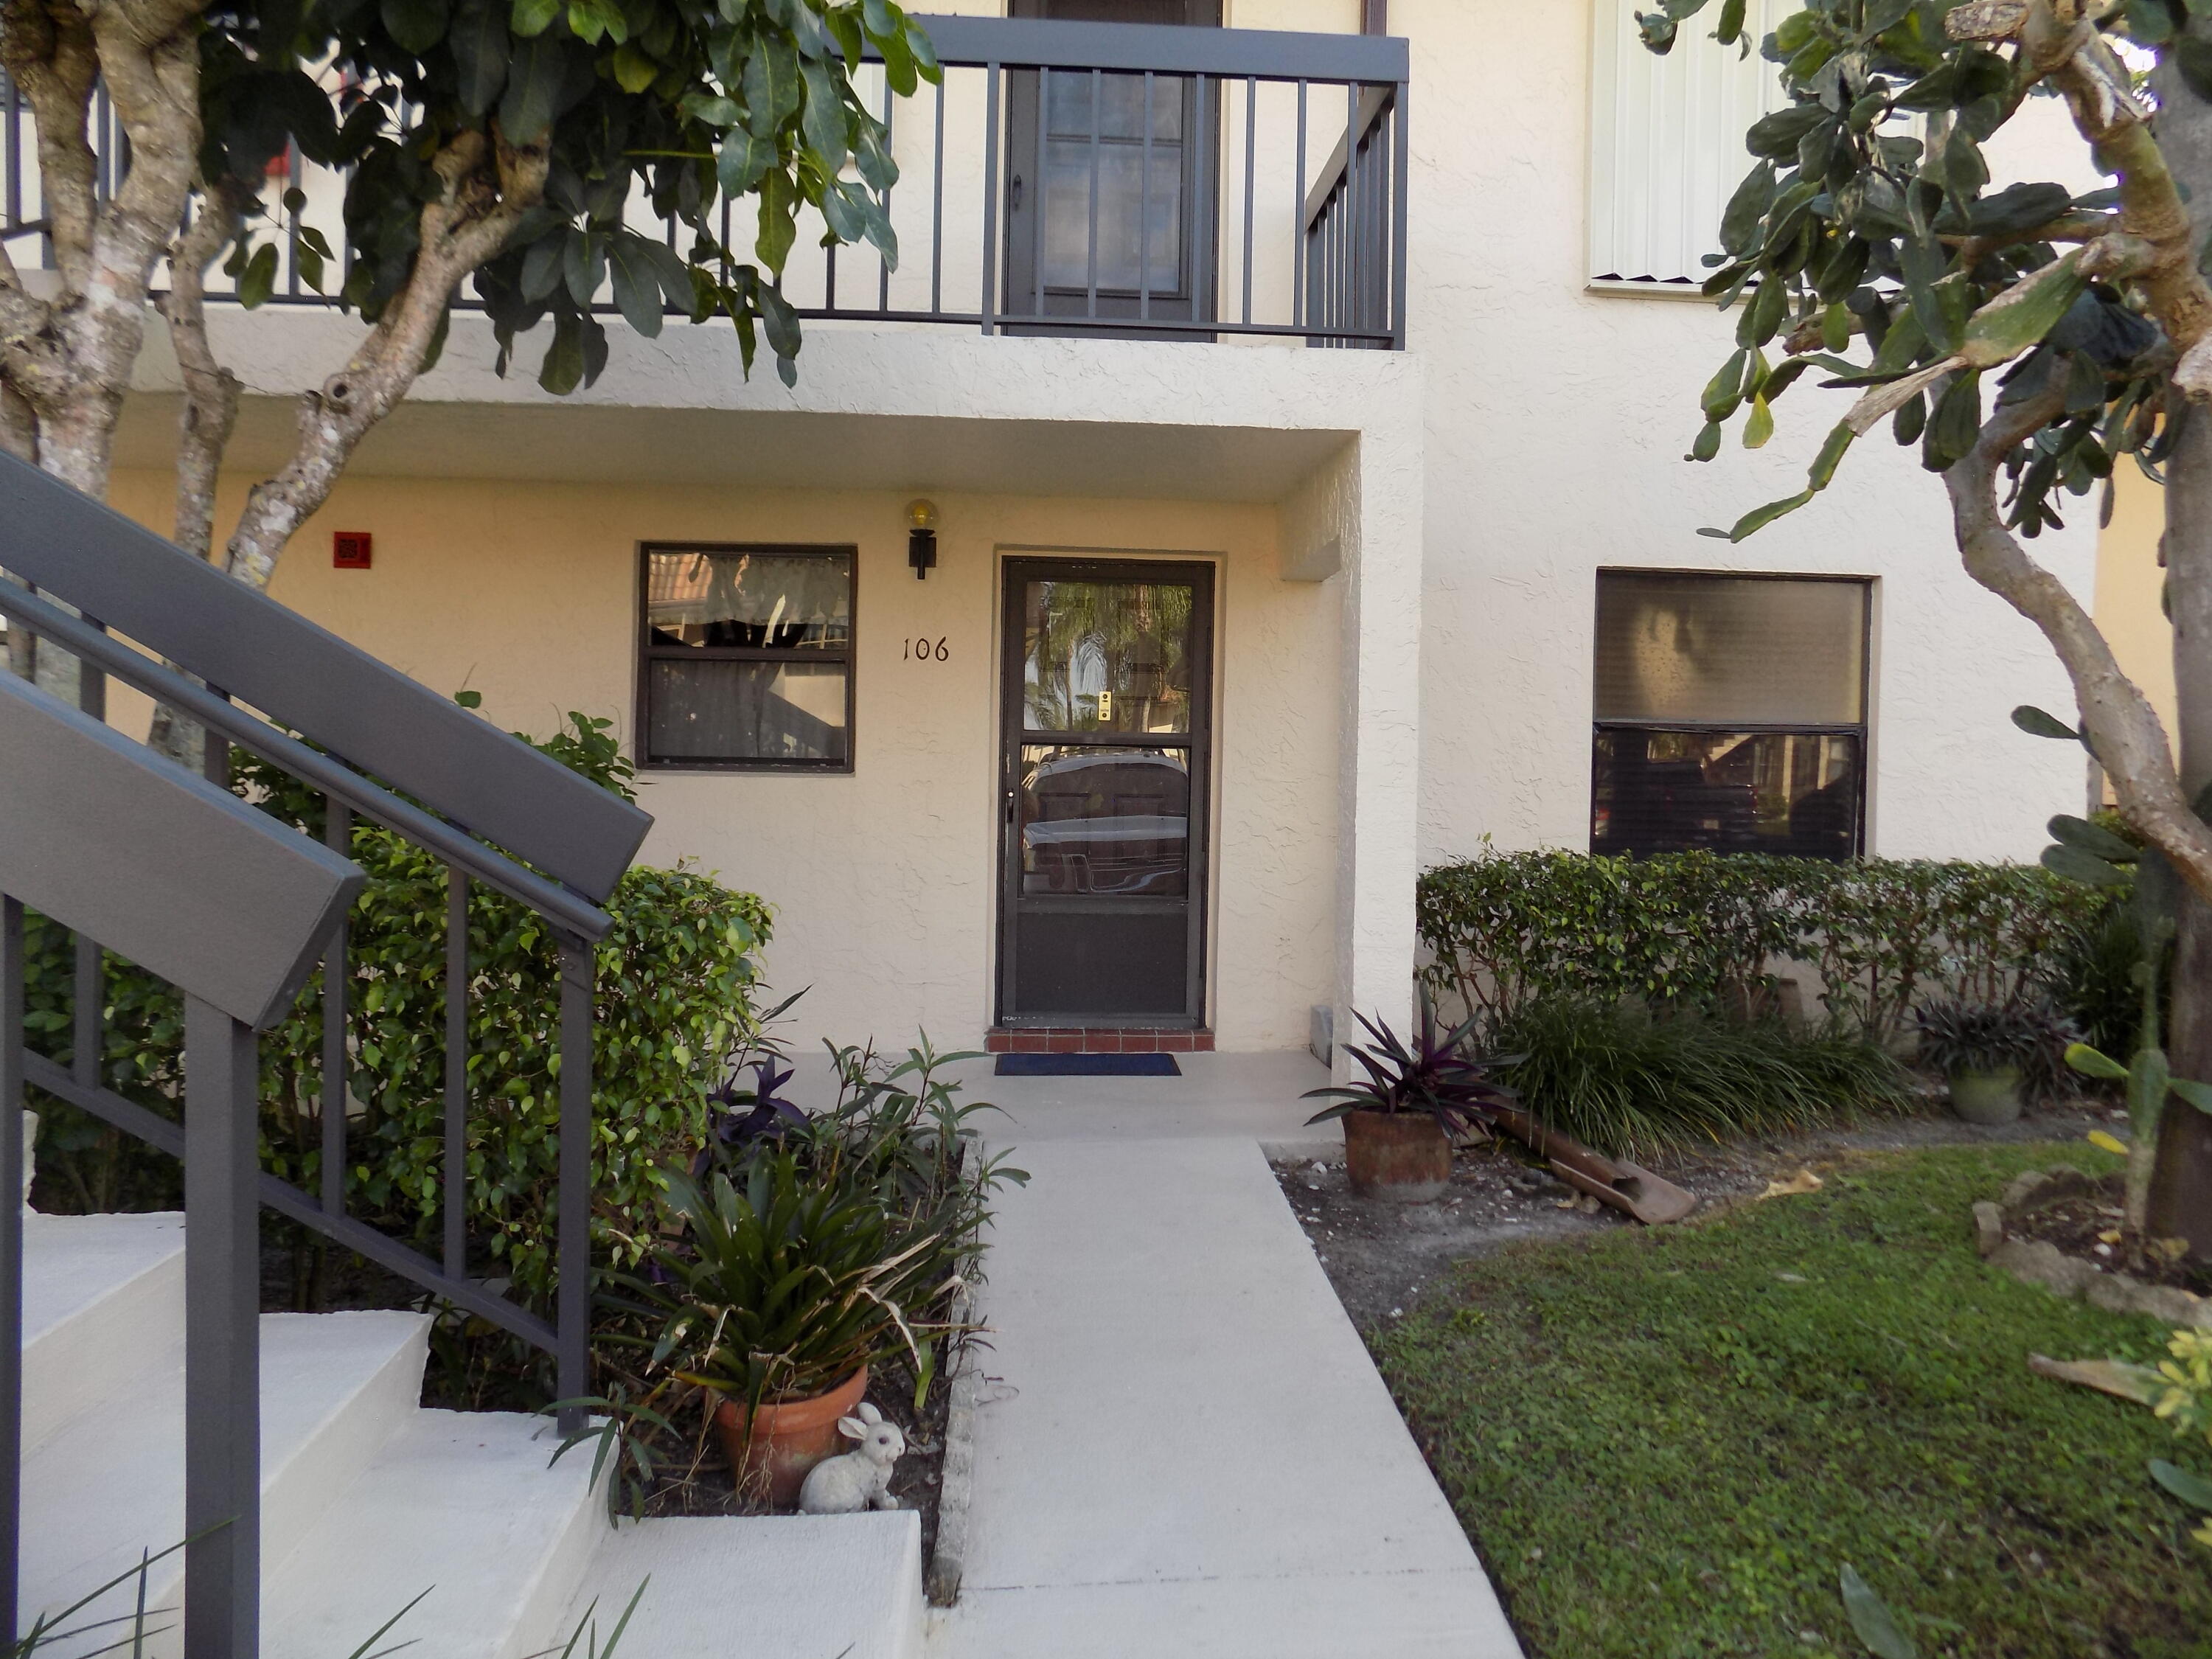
(846, 656)
(1862, 729)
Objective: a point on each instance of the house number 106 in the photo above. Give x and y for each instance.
(926, 651)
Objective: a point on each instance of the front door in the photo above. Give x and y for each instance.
(1108, 667)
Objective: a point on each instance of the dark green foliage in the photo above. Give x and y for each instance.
(690, 104)
(1703, 933)
(1851, 222)
(1664, 1441)
(1631, 1084)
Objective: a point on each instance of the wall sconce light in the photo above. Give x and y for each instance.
(921, 538)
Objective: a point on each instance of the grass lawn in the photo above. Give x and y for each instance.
(1665, 1443)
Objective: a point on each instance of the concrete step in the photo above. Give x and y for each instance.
(108, 1482)
(767, 1587)
(463, 1505)
(103, 1298)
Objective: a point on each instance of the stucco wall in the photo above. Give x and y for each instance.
(1557, 421)
(884, 879)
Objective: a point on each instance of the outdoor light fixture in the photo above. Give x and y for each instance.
(921, 538)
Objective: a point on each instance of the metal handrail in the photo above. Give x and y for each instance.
(1336, 278)
(164, 684)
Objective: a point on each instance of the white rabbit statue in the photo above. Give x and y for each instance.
(861, 1477)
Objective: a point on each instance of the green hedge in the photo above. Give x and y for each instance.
(1705, 933)
(676, 985)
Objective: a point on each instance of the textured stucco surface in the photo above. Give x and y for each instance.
(1557, 421)
(884, 879)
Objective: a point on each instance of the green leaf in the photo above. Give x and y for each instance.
(2198, 1094)
(593, 21)
(1836, 327)
(2092, 1062)
(824, 123)
(1872, 1620)
(533, 90)
(742, 161)
(634, 70)
(563, 368)
(1740, 224)
(2023, 313)
(771, 84)
(258, 280)
(480, 46)
(416, 25)
(877, 18)
(779, 226)
(1725, 390)
(1707, 443)
(925, 54)
(2091, 838)
(533, 18)
(1823, 469)
(2038, 724)
(636, 282)
(2074, 864)
(2191, 1489)
(1758, 426)
(1760, 517)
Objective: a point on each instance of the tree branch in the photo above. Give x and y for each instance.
(19, 425)
(2058, 43)
(488, 186)
(211, 392)
(2123, 727)
(47, 48)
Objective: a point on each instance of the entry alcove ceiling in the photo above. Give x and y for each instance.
(797, 448)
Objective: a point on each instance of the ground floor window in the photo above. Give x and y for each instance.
(747, 657)
(1731, 713)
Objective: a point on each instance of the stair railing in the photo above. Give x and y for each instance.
(228, 905)
(493, 810)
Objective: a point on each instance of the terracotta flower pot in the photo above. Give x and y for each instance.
(1401, 1155)
(783, 1441)
(1989, 1098)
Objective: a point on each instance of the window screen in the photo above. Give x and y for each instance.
(747, 659)
(1730, 714)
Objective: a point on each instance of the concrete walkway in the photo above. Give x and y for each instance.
(1191, 1453)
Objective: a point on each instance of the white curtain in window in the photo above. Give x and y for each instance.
(1667, 140)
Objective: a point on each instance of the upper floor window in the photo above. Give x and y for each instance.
(747, 657)
(1731, 713)
(1667, 141)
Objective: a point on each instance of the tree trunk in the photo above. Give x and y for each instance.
(2181, 1191)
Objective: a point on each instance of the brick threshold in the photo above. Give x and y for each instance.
(1097, 1040)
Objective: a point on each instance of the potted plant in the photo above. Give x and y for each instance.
(1398, 1122)
(780, 1290)
(1982, 1050)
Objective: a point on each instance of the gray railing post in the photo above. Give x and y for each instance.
(222, 1356)
(572, 1313)
(11, 1256)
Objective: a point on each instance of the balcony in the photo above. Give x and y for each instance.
(1097, 178)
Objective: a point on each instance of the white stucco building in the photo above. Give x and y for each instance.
(1231, 629)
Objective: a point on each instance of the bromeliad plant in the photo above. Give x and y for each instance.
(1435, 1076)
(779, 1288)
(1963, 1038)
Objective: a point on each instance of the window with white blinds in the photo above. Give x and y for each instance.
(1667, 141)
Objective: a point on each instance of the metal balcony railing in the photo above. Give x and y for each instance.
(1114, 179)
(175, 873)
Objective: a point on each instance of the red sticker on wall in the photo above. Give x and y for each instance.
(349, 549)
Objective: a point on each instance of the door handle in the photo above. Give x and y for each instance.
(1014, 194)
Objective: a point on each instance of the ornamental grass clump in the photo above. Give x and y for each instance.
(1631, 1084)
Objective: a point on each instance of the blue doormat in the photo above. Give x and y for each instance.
(1088, 1066)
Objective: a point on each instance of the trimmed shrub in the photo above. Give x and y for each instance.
(1702, 932)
